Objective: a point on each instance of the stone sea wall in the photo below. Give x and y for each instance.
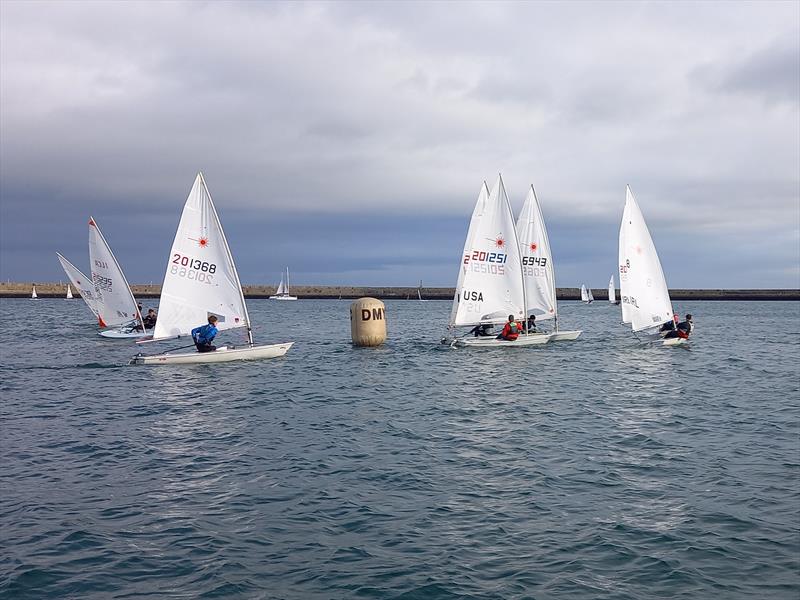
(58, 290)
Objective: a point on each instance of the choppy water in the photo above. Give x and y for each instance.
(596, 469)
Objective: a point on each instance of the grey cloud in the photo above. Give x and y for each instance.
(771, 73)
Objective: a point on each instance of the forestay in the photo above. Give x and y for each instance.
(81, 282)
(642, 285)
(491, 287)
(537, 262)
(201, 279)
(113, 297)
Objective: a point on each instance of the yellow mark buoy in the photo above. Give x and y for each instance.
(368, 322)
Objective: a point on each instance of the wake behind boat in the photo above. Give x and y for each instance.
(201, 281)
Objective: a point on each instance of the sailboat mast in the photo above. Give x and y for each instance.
(519, 256)
(230, 259)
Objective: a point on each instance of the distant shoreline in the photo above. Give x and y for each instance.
(310, 292)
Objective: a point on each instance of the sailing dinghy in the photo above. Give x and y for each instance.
(612, 291)
(586, 295)
(117, 310)
(69, 293)
(201, 280)
(282, 293)
(537, 267)
(490, 283)
(646, 304)
(34, 295)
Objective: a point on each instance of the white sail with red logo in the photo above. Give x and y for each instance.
(492, 286)
(114, 300)
(477, 213)
(643, 288)
(537, 262)
(201, 279)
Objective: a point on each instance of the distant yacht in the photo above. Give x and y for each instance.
(282, 293)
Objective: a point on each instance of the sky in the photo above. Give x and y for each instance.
(348, 141)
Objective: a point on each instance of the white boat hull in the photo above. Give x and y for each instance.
(283, 297)
(223, 354)
(124, 334)
(565, 336)
(535, 339)
(675, 341)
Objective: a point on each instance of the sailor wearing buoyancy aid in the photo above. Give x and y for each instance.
(511, 330)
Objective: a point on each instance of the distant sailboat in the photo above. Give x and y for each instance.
(282, 293)
(612, 292)
(69, 292)
(34, 295)
(586, 295)
(419, 292)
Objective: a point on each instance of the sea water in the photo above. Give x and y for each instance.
(601, 468)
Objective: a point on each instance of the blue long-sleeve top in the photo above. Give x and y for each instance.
(204, 334)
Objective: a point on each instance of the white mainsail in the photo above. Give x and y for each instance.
(69, 292)
(81, 282)
(281, 288)
(201, 278)
(114, 300)
(589, 291)
(623, 270)
(612, 292)
(537, 260)
(34, 295)
(643, 289)
(584, 293)
(477, 212)
(492, 286)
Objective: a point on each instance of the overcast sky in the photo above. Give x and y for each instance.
(349, 140)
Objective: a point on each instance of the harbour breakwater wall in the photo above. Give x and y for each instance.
(58, 290)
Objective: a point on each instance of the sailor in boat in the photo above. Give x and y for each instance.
(511, 330)
(682, 330)
(670, 325)
(482, 330)
(205, 334)
(150, 318)
(531, 324)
